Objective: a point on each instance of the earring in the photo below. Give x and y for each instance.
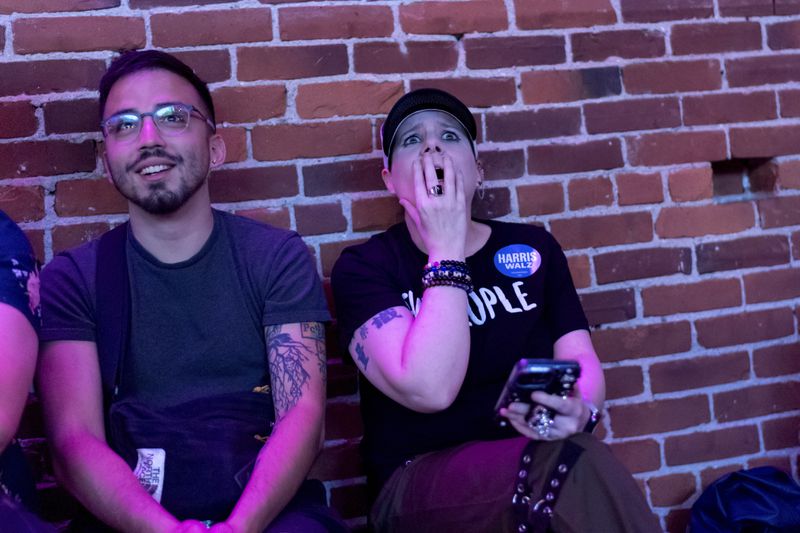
(482, 181)
(481, 190)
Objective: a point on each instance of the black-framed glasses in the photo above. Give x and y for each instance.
(170, 119)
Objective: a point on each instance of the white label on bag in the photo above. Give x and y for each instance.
(150, 470)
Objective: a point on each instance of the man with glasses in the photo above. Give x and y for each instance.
(218, 304)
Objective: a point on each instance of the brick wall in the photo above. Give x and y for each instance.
(659, 140)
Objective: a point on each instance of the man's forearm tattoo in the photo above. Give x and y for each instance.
(316, 331)
(289, 377)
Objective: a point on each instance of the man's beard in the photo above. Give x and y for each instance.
(158, 199)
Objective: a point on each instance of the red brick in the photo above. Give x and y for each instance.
(65, 237)
(22, 204)
(146, 4)
(419, 56)
(370, 214)
(715, 38)
(788, 174)
(779, 211)
(350, 500)
(787, 7)
(691, 184)
(756, 400)
(745, 8)
(762, 70)
(323, 100)
(701, 447)
(45, 158)
(330, 252)
(242, 184)
(781, 463)
(628, 115)
(318, 139)
(606, 307)
(697, 221)
(43, 6)
(658, 10)
(591, 192)
(732, 107)
(744, 327)
(235, 143)
(17, 119)
(553, 86)
(698, 372)
(623, 381)
(627, 44)
(88, 197)
(543, 199)
(341, 177)
(764, 141)
(539, 14)
(317, 219)
(603, 230)
(772, 285)
(638, 455)
(539, 124)
(249, 104)
(781, 433)
(669, 148)
(637, 189)
(503, 52)
(453, 18)
(338, 462)
(796, 244)
(780, 360)
(342, 421)
(642, 341)
(51, 76)
(193, 28)
(643, 263)
(670, 414)
(71, 116)
(77, 34)
(278, 217)
(291, 62)
(783, 35)
(210, 65)
(580, 270)
(475, 92)
(502, 165)
(691, 297)
(672, 76)
(672, 489)
(580, 157)
(747, 252)
(334, 22)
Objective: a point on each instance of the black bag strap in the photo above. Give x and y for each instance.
(113, 306)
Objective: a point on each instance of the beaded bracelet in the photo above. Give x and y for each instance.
(447, 273)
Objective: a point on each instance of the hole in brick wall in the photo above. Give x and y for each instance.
(736, 178)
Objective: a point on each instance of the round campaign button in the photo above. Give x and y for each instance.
(517, 260)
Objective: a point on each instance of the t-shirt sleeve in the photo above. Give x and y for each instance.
(362, 287)
(294, 290)
(564, 312)
(67, 304)
(19, 274)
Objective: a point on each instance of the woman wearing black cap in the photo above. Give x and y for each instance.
(435, 312)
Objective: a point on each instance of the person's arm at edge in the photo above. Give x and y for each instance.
(18, 347)
(68, 382)
(577, 346)
(297, 364)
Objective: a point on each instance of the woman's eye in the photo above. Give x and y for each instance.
(450, 136)
(411, 139)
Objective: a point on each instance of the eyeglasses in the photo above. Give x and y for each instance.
(170, 119)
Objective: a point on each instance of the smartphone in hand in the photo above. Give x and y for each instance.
(529, 375)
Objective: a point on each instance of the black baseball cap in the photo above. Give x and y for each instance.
(427, 99)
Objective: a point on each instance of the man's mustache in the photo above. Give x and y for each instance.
(154, 152)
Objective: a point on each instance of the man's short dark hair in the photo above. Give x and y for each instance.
(139, 60)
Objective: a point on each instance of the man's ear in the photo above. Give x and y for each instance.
(216, 150)
(386, 174)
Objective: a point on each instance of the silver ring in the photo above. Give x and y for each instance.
(436, 190)
(541, 421)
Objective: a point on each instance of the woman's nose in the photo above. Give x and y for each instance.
(432, 147)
